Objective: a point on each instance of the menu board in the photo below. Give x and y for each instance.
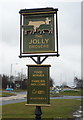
(38, 84)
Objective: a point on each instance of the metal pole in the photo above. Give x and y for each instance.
(20, 35)
(38, 60)
(11, 69)
(10, 77)
(57, 32)
(38, 111)
(11, 74)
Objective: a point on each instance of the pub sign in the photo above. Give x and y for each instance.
(37, 33)
(38, 85)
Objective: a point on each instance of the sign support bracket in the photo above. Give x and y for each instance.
(39, 61)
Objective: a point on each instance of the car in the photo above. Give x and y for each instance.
(9, 89)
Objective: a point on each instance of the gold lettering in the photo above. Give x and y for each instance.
(39, 36)
(33, 84)
(34, 91)
(38, 84)
(46, 40)
(34, 41)
(38, 75)
(38, 46)
(38, 41)
(38, 98)
(38, 81)
(38, 91)
(38, 71)
(30, 42)
(43, 41)
(41, 92)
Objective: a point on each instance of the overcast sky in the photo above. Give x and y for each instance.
(64, 67)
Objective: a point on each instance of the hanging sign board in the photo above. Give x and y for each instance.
(37, 31)
(38, 85)
(38, 34)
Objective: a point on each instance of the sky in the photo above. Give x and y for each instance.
(63, 68)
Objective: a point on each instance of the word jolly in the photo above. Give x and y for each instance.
(38, 41)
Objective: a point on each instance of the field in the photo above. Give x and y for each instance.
(60, 108)
(77, 92)
(5, 94)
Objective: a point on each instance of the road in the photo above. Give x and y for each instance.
(22, 97)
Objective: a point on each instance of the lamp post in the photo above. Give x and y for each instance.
(12, 68)
(11, 73)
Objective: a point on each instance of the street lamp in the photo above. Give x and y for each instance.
(11, 73)
(12, 68)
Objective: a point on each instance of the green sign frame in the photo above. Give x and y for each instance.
(38, 31)
(38, 91)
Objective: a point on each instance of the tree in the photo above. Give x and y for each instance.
(0, 81)
(5, 79)
(78, 82)
(51, 82)
(64, 85)
(24, 84)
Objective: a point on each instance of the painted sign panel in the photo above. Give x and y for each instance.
(38, 84)
(38, 33)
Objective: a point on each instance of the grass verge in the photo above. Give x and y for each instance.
(67, 93)
(60, 108)
(5, 94)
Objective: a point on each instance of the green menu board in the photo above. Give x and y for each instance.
(38, 85)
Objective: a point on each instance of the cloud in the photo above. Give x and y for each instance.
(69, 26)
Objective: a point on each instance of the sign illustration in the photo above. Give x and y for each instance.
(38, 34)
(39, 27)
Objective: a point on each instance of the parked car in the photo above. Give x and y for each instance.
(9, 89)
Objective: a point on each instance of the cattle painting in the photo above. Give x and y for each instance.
(38, 26)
